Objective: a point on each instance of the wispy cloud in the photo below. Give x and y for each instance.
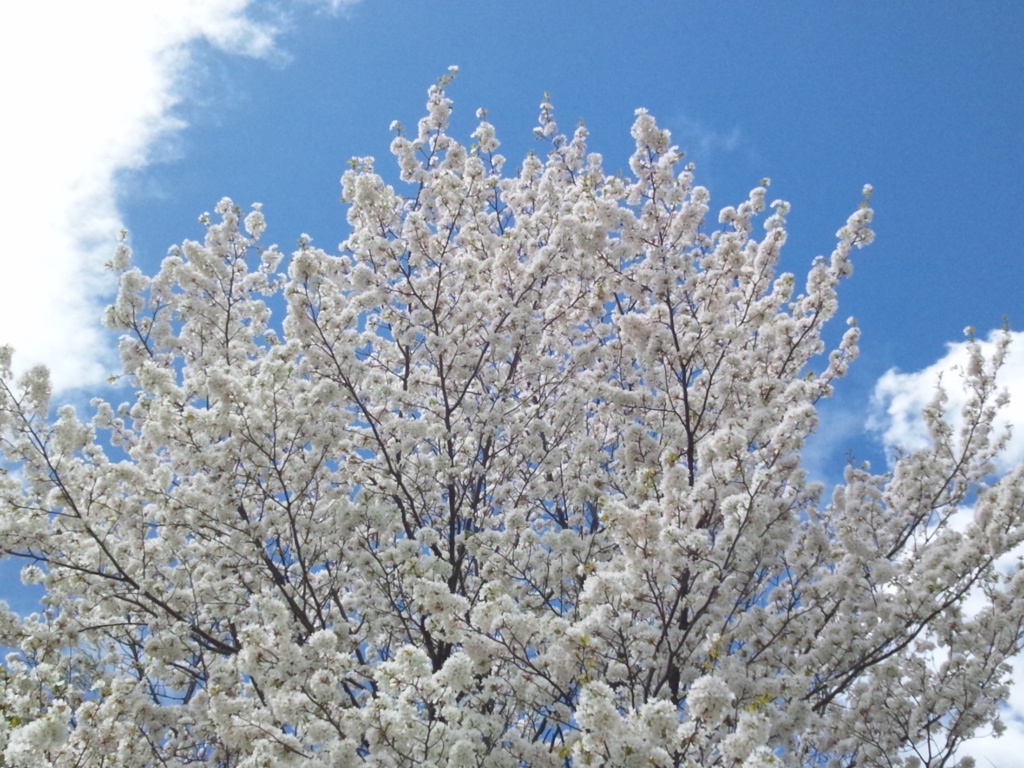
(90, 90)
(700, 140)
(899, 398)
(333, 6)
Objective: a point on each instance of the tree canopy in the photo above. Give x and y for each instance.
(513, 479)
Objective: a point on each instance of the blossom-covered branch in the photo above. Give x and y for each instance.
(515, 480)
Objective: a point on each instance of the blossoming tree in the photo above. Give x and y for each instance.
(515, 481)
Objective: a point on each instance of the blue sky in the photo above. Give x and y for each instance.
(142, 116)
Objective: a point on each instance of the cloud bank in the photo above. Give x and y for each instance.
(90, 91)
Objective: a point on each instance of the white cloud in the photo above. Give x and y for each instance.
(702, 141)
(333, 6)
(89, 90)
(900, 397)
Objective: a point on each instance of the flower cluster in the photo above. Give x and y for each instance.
(514, 480)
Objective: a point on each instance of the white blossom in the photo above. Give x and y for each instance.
(254, 221)
(513, 479)
(37, 742)
(709, 699)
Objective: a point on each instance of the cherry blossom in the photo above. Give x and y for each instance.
(513, 478)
